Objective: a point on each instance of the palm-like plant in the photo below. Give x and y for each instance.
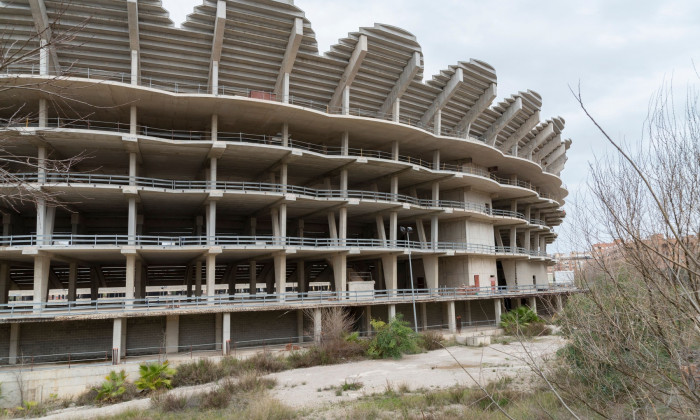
(519, 318)
(112, 387)
(155, 376)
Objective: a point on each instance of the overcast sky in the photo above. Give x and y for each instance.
(619, 51)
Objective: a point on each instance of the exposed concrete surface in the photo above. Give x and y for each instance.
(435, 369)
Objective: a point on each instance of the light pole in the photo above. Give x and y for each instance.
(407, 230)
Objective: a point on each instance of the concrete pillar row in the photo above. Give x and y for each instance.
(172, 334)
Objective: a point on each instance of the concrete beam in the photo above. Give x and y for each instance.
(350, 71)
(558, 165)
(498, 125)
(290, 55)
(441, 100)
(548, 148)
(407, 75)
(132, 9)
(480, 106)
(540, 138)
(43, 28)
(217, 45)
(521, 132)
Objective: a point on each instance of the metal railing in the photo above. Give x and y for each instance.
(197, 135)
(30, 309)
(205, 88)
(261, 241)
(244, 187)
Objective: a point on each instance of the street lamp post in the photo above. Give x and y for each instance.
(407, 230)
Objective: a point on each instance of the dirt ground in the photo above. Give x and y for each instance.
(316, 386)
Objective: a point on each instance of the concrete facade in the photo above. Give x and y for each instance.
(223, 195)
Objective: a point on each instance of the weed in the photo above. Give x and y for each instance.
(113, 386)
(431, 340)
(392, 340)
(200, 372)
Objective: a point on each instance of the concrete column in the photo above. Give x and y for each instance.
(437, 123)
(513, 237)
(344, 182)
(211, 276)
(317, 325)
(285, 143)
(543, 245)
(211, 223)
(396, 110)
(133, 122)
(119, 336)
(43, 113)
(198, 278)
(451, 317)
(346, 100)
(4, 283)
(430, 266)
(42, 264)
(331, 225)
(468, 317)
(226, 333)
(218, 331)
(283, 220)
(284, 175)
(132, 168)
(391, 312)
(253, 274)
(340, 275)
(393, 227)
(172, 333)
(497, 303)
(390, 272)
(533, 304)
(424, 315)
(50, 221)
(43, 57)
(130, 276)
(140, 281)
(436, 159)
(342, 224)
(559, 302)
(395, 150)
(213, 170)
(6, 224)
(368, 319)
(300, 326)
(215, 78)
(394, 186)
(434, 231)
(131, 229)
(14, 343)
(381, 231)
(302, 287)
(134, 67)
(280, 261)
(285, 88)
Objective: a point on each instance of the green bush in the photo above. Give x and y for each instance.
(392, 340)
(155, 376)
(516, 321)
(113, 387)
(266, 362)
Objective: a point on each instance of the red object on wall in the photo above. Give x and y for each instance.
(476, 281)
(259, 94)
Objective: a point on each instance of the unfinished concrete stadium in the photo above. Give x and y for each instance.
(235, 180)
